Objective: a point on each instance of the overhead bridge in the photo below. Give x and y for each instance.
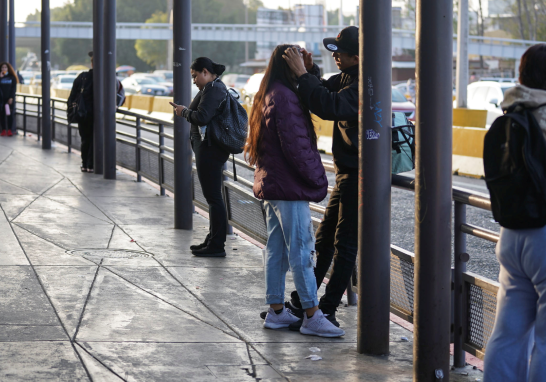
(402, 39)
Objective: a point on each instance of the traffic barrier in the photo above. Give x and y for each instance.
(468, 135)
(162, 109)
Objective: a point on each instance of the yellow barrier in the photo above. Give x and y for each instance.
(469, 117)
(161, 104)
(61, 93)
(142, 102)
(468, 151)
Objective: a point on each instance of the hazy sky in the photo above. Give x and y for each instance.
(21, 12)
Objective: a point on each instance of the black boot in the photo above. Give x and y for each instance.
(200, 246)
(209, 251)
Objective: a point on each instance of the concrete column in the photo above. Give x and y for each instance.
(183, 205)
(432, 301)
(374, 200)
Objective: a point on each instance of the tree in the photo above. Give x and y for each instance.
(150, 51)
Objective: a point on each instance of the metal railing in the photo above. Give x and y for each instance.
(474, 297)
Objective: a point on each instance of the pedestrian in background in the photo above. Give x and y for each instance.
(521, 300)
(282, 144)
(8, 88)
(83, 87)
(335, 99)
(209, 156)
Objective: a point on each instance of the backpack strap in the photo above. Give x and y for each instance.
(234, 168)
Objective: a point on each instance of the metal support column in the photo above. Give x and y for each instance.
(3, 30)
(110, 89)
(462, 54)
(183, 205)
(374, 188)
(46, 78)
(461, 257)
(12, 34)
(98, 87)
(432, 301)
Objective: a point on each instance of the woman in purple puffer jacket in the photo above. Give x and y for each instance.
(282, 144)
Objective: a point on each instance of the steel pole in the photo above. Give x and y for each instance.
(4, 30)
(462, 54)
(374, 177)
(432, 301)
(46, 67)
(98, 87)
(12, 34)
(460, 259)
(110, 89)
(183, 205)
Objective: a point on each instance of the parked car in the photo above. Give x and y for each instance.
(36, 79)
(158, 79)
(251, 88)
(166, 74)
(407, 91)
(235, 81)
(488, 95)
(145, 86)
(401, 104)
(63, 82)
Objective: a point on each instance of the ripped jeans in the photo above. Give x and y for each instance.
(291, 243)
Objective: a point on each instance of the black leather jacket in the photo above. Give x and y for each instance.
(336, 99)
(204, 106)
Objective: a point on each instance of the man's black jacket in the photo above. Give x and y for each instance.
(84, 80)
(336, 99)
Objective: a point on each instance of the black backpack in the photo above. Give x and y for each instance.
(77, 113)
(229, 128)
(514, 158)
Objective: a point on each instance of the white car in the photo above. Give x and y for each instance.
(488, 95)
(63, 82)
(251, 88)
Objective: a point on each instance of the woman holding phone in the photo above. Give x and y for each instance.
(209, 157)
(8, 87)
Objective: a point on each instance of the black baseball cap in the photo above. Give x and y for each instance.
(345, 42)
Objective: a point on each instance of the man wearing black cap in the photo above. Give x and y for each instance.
(83, 87)
(335, 99)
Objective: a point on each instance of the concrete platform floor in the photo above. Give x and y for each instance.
(73, 307)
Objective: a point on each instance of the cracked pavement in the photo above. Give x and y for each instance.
(97, 285)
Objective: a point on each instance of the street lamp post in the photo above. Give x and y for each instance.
(46, 76)
(110, 89)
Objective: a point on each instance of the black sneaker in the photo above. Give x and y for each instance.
(295, 300)
(209, 252)
(198, 246)
(295, 311)
(295, 327)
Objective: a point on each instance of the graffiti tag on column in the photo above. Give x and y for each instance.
(377, 112)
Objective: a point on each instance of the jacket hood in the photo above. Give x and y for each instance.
(530, 98)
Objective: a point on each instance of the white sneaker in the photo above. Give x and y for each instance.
(279, 321)
(318, 325)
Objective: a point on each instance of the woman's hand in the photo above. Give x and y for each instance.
(10, 101)
(294, 60)
(178, 108)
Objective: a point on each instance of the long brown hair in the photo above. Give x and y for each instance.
(10, 70)
(277, 70)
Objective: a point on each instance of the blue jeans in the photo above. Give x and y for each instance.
(290, 243)
(521, 306)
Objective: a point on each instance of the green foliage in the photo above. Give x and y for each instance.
(151, 51)
(145, 54)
